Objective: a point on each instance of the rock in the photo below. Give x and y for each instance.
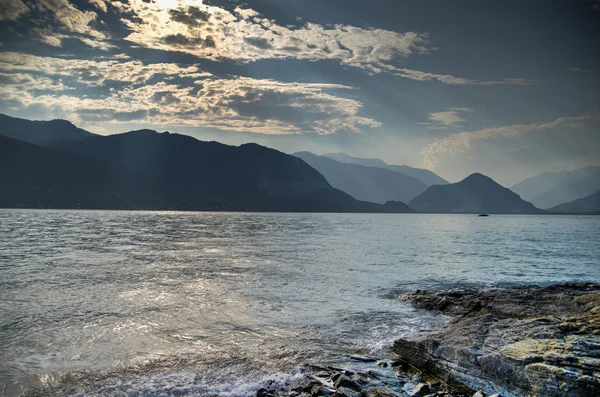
(478, 394)
(336, 376)
(420, 390)
(385, 392)
(346, 392)
(382, 363)
(344, 381)
(320, 391)
(264, 393)
(364, 359)
(529, 341)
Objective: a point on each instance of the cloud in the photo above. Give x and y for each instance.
(193, 98)
(96, 73)
(29, 82)
(448, 117)
(52, 21)
(12, 9)
(461, 143)
(244, 35)
(100, 4)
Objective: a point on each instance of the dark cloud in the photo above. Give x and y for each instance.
(193, 16)
(165, 97)
(181, 40)
(259, 42)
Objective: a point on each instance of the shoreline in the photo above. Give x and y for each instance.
(542, 341)
(531, 340)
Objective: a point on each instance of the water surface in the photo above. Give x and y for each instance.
(164, 303)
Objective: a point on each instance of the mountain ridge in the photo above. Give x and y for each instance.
(588, 204)
(373, 184)
(426, 176)
(144, 169)
(550, 189)
(477, 193)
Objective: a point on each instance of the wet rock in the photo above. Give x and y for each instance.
(364, 359)
(346, 382)
(382, 363)
(346, 392)
(320, 391)
(478, 393)
(530, 341)
(385, 392)
(265, 393)
(420, 390)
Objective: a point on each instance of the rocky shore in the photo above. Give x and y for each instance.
(500, 342)
(533, 341)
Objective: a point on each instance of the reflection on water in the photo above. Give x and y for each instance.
(218, 301)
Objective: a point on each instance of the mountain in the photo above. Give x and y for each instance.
(32, 176)
(374, 184)
(40, 132)
(427, 177)
(475, 194)
(589, 204)
(147, 170)
(551, 189)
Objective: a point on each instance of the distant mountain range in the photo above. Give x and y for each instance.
(427, 177)
(147, 170)
(551, 189)
(476, 193)
(589, 204)
(366, 183)
(54, 164)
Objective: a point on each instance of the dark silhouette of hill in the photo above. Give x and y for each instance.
(476, 193)
(589, 204)
(374, 184)
(427, 177)
(32, 176)
(551, 189)
(40, 132)
(147, 170)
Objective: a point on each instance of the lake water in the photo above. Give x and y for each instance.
(172, 303)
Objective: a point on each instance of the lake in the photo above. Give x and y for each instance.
(191, 303)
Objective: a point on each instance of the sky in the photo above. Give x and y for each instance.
(506, 88)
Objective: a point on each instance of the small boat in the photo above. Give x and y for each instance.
(483, 215)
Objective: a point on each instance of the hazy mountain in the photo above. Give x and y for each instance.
(374, 184)
(475, 194)
(40, 132)
(589, 204)
(147, 170)
(550, 189)
(427, 177)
